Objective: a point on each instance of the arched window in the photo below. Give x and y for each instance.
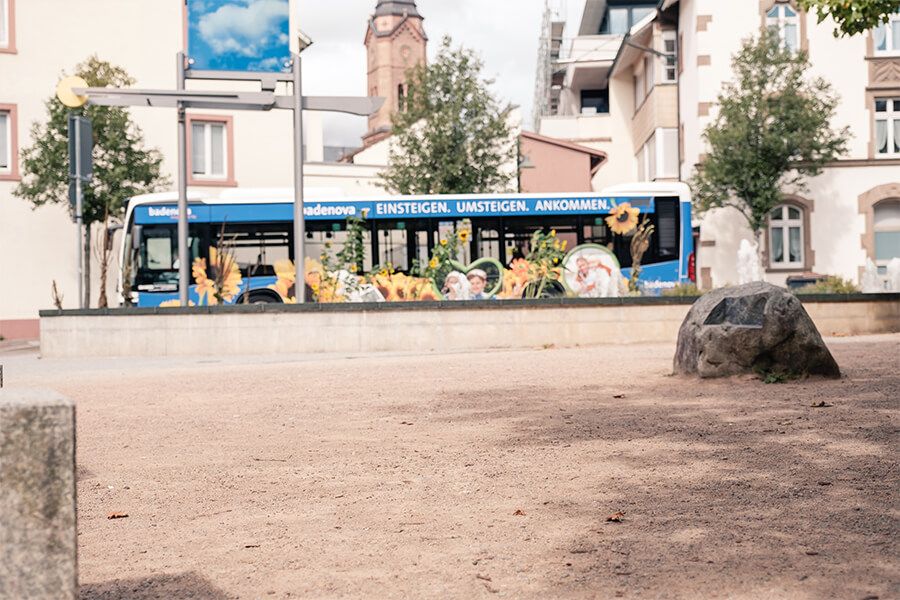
(786, 237)
(887, 233)
(783, 18)
(401, 97)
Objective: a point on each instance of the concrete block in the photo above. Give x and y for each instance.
(38, 537)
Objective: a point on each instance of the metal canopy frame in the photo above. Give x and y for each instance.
(207, 100)
(265, 100)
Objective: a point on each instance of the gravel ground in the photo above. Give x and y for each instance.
(482, 475)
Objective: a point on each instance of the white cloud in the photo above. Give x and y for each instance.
(244, 30)
(267, 64)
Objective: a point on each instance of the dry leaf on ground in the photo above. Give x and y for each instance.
(616, 517)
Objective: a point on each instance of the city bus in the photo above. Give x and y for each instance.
(399, 231)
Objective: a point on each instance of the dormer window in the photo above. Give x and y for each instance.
(622, 16)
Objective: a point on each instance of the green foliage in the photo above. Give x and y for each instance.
(772, 131)
(453, 136)
(446, 252)
(122, 168)
(353, 255)
(775, 377)
(684, 290)
(830, 285)
(544, 264)
(853, 16)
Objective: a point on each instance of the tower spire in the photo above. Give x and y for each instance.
(397, 8)
(395, 43)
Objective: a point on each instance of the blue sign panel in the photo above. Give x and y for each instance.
(445, 208)
(239, 35)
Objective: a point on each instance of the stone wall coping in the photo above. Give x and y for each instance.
(37, 397)
(431, 306)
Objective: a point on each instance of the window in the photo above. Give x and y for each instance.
(639, 87)
(786, 237)
(887, 233)
(5, 143)
(4, 23)
(7, 26)
(211, 151)
(658, 157)
(643, 82)
(595, 102)
(783, 19)
(8, 151)
(393, 241)
(887, 127)
(332, 236)
(621, 17)
(668, 149)
(887, 36)
(670, 48)
(401, 98)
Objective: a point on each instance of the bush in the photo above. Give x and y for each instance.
(830, 285)
(686, 290)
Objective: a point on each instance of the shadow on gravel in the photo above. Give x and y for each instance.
(779, 490)
(180, 586)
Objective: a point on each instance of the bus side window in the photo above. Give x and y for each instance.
(667, 228)
(489, 243)
(392, 247)
(446, 229)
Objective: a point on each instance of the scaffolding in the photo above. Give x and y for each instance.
(546, 97)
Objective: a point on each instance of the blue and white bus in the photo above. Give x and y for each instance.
(401, 230)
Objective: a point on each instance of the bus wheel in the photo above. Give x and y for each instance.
(262, 298)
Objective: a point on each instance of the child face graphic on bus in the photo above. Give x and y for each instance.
(456, 286)
(477, 282)
(584, 267)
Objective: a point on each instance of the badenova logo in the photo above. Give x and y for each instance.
(164, 212)
(337, 210)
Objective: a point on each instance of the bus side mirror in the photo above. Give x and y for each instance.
(136, 231)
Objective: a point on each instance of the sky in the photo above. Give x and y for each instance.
(504, 32)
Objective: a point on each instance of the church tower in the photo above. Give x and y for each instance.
(395, 42)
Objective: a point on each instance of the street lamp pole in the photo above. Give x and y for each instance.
(299, 216)
(184, 255)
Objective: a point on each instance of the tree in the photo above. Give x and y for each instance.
(853, 16)
(772, 131)
(122, 167)
(452, 135)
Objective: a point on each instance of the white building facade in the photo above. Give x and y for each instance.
(670, 62)
(40, 40)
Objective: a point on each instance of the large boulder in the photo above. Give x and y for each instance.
(752, 328)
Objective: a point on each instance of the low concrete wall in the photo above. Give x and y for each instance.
(38, 539)
(278, 329)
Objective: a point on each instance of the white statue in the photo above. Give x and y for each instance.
(348, 285)
(748, 267)
(893, 274)
(871, 282)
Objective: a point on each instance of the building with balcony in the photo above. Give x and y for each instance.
(641, 80)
